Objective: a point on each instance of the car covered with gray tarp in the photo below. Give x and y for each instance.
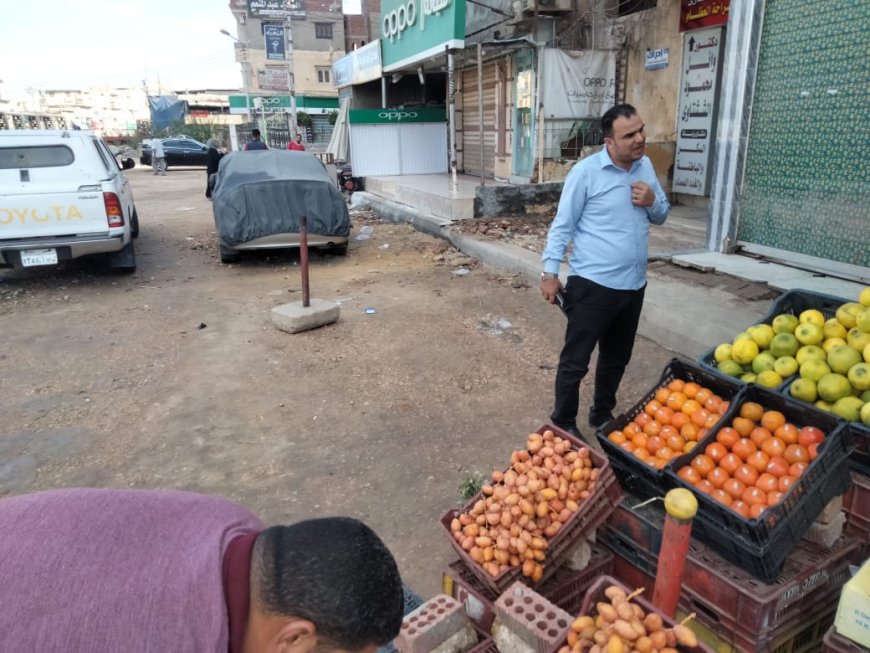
(259, 197)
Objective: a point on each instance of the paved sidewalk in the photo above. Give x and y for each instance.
(687, 310)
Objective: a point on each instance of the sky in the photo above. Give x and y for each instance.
(56, 44)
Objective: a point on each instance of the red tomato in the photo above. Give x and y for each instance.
(809, 435)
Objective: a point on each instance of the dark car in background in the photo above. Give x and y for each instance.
(180, 151)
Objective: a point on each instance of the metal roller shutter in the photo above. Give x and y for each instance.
(470, 121)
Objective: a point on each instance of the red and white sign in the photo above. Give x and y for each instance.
(275, 79)
(695, 14)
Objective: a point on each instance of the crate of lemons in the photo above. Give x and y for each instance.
(828, 358)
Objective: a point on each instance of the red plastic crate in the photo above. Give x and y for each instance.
(485, 643)
(835, 643)
(565, 588)
(856, 505)
(724, 590)
(596, 594)
(594, 510)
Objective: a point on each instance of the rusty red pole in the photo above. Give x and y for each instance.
(681, 506)
(303, 259)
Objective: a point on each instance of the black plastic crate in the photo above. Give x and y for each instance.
(793, 302)
(634, 475)
(762, 545)
(859, 459)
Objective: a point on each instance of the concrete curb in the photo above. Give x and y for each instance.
(686, 319)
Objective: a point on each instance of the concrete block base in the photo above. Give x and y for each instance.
(294, 317)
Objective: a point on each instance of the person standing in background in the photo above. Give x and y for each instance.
(608, 202)
(158, 157)
(296, 144)
(213, 159)
(255, 143)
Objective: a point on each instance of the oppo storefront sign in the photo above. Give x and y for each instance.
(398, 141)
(415, 30)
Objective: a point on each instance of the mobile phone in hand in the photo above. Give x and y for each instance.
(560, 300)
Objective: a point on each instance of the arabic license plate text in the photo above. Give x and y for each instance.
(31, 257)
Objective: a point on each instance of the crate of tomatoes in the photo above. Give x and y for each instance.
(762, 476)
(668, 421)
(529, 518)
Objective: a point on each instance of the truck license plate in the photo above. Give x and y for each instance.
(31, 257)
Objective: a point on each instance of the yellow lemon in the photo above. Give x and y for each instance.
(744, 350)
(833, 329)
(813, 317)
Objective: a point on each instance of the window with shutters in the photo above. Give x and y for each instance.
(323, 30)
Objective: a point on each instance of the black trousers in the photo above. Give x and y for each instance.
(602, 316)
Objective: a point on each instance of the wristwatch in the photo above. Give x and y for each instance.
(548, 276)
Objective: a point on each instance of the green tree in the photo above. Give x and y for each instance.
(303, 119)
(333, 116)
(196, 129)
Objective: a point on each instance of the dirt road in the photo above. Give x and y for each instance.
(175, 378)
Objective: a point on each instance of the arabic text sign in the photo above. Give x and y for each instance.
(275, 79)
(656, 59)
(696, 114)
(277, 8)
(416, 30)
(273, 37)
(695, 14)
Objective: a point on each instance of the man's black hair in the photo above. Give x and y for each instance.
(335, 572)
(614, 112)
(255, 133)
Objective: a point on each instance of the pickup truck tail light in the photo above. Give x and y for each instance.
(114, 212)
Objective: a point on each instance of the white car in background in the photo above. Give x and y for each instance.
(62, 196)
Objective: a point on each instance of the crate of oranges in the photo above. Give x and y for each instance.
(668, 422)
(762, 476)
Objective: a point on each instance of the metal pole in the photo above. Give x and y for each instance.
(480, 111)
(540, 87)
(383, 92)
(451, 118)
(245, 67)
(303, 259)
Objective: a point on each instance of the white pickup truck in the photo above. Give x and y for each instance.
(62, 196)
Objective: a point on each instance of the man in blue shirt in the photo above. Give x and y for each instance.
(608, 201)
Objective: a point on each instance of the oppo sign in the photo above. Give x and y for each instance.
(398, 20)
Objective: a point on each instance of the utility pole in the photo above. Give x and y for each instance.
(291, 77)
(243, 60)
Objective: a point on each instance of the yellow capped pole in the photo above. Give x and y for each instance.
(681, 506)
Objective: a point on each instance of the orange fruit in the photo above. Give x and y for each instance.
(628, 446)
(676, 443)
(773, 447)
(702, 432)
(651, 407)
(723, 407)
(679, 420)
(777, 466)
(718, 477)
(727, 437)
(668, 431)
(786, 482)
(731, 463)
(774, 497)
(722, 497)
(690, 407)
(676, 401)
(756, 509)
(794, 453)
(751, 410)
(690, 444)
(703, 464)
(616, 437)
(691, 389)
(788, 433)
(758, 460)
(641, 453)
(717, 451)
(643, 419)
(753, 495)
(663, 415)
(740, 508)
(743, 426)
(665, 454)
(797, 469)
(702, 395)
(767, 482)
(712, 402)
(652, 428)
(705, 486)
(676, 385)
(631, 429)
(689, 431)
(699, 417)
(712, 420)
(654, 443)
(639, 440)
(689, 474)
(772, 420)
(744, 448)
(759, 435)
(734, 487)
(662, 395)
(746, 474)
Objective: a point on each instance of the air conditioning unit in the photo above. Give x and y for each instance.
(549, 6)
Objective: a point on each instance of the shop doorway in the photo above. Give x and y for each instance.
(524, 116)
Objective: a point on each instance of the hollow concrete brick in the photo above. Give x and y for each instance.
(531, 617)
(431, 625)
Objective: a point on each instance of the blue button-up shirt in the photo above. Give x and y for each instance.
(610, 233)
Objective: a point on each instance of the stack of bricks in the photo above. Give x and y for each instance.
(828, 528)
(438, 626)
(526, 622)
